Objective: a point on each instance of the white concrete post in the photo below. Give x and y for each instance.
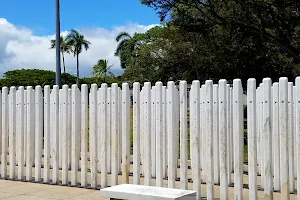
(38, 132)
(136, 133)
(69, 132)
(114, 134)
(153, 132)
(238, 133)
(183, 135)
(103, 133)
(33, 135)
(262, 134)
(84, 133)
(291, 137)
(119, 122)
(1, 126)
(176, 129)
(93, 134)
(12, 132)
(159, 134)
(275, 138)
(223, 139)
(99, 127)
(201, 133)
(78, 126)
(258, 103)
(47, 129)
(30, 131)
(172, 166)
(25, 124)
(147, 133)
(75, 147)
(216, 134)
(209, 136)
(231, 127)
(164, 130)
(108, 123)
(20, 131)
(229, 136)
(295, 133)
(126, 102)
(64, 133)
(60, 136)
(268, 181)
(4, 132)
(142, 119)
(190, 125)
(195, 138)
(54, 142)
(252, 140)
(297, 102)
(283, 132)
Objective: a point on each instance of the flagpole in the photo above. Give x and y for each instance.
(57, 44)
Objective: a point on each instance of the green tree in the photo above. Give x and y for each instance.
(102, 69)
(29, 77)
(33, 77)
(64, 48)
(273, 21)
(235, 39)
(123, 39)
(77, 41)
(162, 53)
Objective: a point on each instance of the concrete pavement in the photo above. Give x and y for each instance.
(15, 190)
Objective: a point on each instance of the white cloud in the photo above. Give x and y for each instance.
(20, 48)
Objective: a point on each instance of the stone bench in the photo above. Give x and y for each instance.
(141, 192)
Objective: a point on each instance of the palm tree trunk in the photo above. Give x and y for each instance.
(104, 75)
(63, 60)
(77, 59)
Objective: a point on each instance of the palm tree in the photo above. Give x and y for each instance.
(64, 48)
(77, 41)
(102, 69)
(123, 40)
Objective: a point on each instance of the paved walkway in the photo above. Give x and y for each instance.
(15, 190)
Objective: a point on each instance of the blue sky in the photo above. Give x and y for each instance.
(39, 15)
(27, 26)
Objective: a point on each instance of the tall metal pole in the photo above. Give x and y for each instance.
(57, 44)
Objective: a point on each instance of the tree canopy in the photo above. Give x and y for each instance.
(274, 21)
(77, 41)
(123, 40)
(217, 39)
(33, 77)
(102, 69)
(207, 39)
(65, 47)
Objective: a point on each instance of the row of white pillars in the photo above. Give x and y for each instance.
(53, 127)
(160, 123)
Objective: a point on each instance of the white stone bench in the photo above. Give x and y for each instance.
(141, 192)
